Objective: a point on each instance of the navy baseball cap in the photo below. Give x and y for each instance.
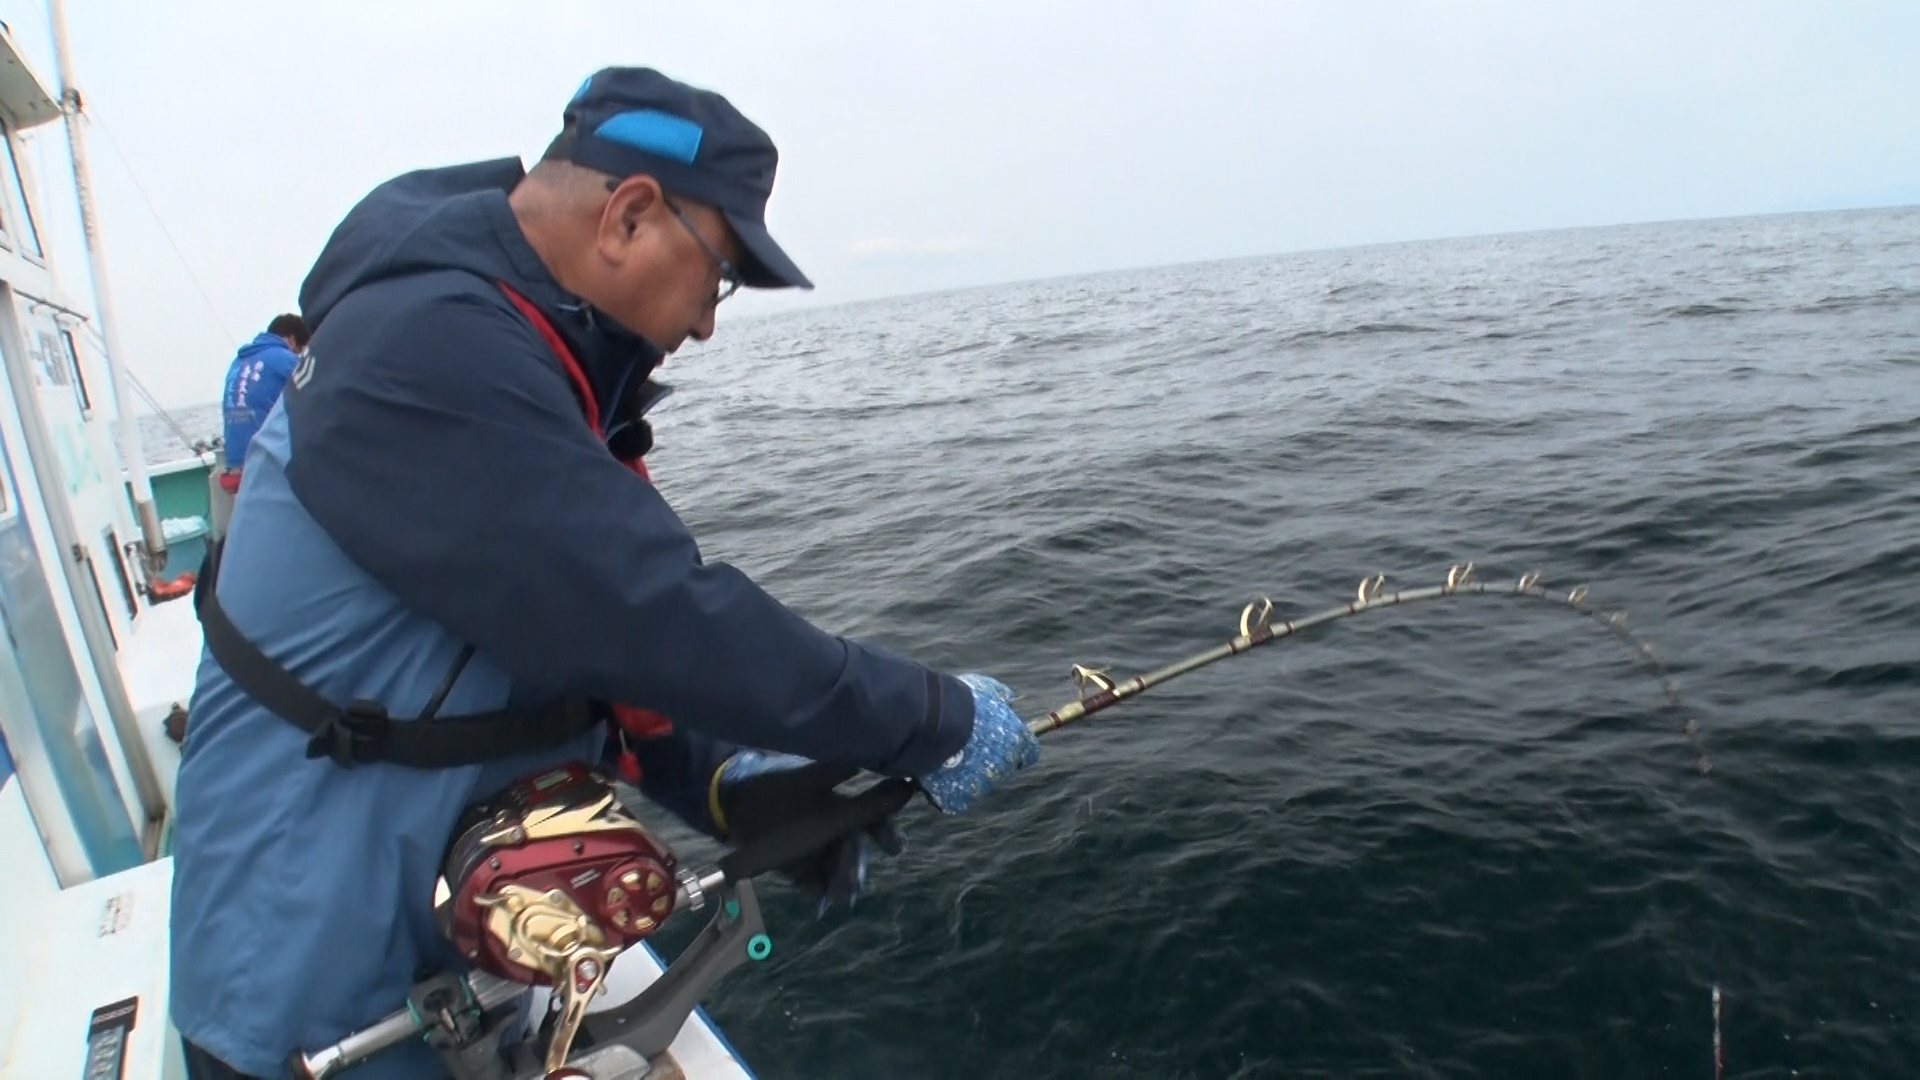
(628, 121)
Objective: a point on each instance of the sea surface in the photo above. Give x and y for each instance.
(1462, 839)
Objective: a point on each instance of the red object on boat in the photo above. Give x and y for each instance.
(159, 591)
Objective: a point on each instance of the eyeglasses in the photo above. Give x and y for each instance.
(730, 277)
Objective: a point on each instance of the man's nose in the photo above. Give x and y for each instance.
(703, 329)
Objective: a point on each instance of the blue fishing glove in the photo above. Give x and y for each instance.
(754, 793)
(1000, 747)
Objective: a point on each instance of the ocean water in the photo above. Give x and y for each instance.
(1465, 839)
(173, 436)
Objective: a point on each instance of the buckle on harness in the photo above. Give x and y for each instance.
(357, 733)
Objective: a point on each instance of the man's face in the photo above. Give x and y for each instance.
(671, 260)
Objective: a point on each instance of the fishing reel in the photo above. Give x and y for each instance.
(549, 882)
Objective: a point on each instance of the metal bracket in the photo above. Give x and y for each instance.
(1084, 676)
(649, 1023)
(455, 1025)
(1371, 589)
(1256, 617)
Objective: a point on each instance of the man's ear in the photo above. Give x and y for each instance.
(626, 210)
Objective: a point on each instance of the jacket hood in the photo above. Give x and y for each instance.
(263, 341)
(457, 218)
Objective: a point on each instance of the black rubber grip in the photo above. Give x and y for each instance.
(808, 835)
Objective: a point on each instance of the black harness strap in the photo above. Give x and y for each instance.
(362, 731)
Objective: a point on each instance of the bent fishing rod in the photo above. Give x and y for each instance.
(1257, 627)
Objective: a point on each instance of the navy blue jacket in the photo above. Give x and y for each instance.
(254, 381)
(429, 482)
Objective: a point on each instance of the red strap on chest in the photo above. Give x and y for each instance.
(639, 723)
(582, 389)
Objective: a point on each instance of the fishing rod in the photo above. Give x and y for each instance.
(1257, 627)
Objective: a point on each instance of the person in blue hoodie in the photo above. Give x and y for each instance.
(254, 381)
(450, 571)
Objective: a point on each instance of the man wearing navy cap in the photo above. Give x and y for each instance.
(449, 528)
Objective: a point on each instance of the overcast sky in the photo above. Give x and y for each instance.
(930, 146)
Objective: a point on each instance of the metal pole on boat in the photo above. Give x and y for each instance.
(153, 539)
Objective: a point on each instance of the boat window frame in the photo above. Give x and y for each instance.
(6, 201)
(27, 243)
(80, 387)
(128, 592)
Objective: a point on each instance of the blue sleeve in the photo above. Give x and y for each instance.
(438, 442)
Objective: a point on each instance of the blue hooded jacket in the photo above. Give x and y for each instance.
(254, 381)
(428, 483)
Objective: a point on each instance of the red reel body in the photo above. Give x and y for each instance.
(552, 867)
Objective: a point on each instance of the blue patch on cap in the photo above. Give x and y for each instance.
(655, 132)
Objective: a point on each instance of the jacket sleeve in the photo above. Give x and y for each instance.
(437, 441)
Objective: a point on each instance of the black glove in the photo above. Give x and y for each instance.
(756, 793)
